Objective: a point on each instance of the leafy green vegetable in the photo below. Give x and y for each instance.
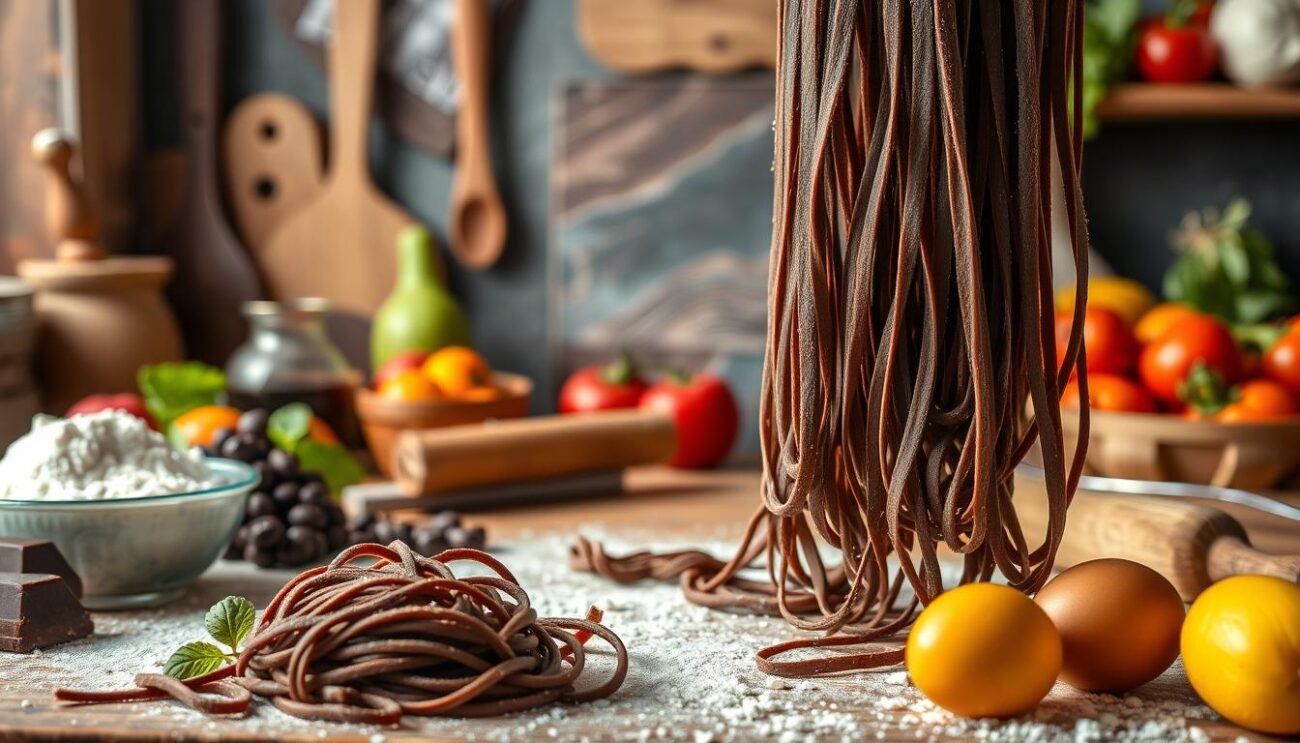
(1227, 268)
(331, 461)
(170, 389)
(194, 659)
(289, 425)
(230, 621)
(1108, 38)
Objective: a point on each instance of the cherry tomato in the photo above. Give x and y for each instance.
(1282, 361)
(1259, 400)
(705, 413)
(1110, 392)
(1108, 341)
(1166, 362)
(614, 386)
(1177, 48)
(1158, 319)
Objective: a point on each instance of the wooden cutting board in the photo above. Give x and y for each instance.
(271, 156)
(707, 35)
(214, 275)
(342, 245)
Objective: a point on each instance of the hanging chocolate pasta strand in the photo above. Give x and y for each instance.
(369, 644)
(911, 360)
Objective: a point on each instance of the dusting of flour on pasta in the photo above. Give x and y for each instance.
(100, 456)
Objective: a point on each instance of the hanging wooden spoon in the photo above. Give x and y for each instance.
(478, 219)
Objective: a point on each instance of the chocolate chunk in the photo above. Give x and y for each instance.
(18, 555)
(38, 610)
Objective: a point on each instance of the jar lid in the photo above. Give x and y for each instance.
(298, 307)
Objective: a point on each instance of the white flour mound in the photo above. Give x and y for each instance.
(99, 456)
(692, 676)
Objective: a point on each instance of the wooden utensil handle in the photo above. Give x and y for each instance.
(353, 39)
(1229, 556)
(471, 46)
(530, 449)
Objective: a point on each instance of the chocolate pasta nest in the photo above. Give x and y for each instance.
(370, 643)
(911, 359)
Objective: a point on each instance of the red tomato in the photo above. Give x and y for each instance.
(1166, 362)
(1259, 400)
(127, 402)
(613, 386)
(1282, 362)
(1109, 342)
(1110, 392)
(1178, 47)
(404, 361)
(705, 413)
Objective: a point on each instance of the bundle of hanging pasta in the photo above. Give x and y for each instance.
(911, 359)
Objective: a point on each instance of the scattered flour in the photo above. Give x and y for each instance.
(100, 456)
(692, 676)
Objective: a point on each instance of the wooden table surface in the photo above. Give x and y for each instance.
(708, 505)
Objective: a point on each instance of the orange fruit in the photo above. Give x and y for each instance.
(200, 424)
(410, 386)
(457, 370)
(319, 430)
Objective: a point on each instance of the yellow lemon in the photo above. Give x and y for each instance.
(1125, 297)
(1241, 649)
(984, 650)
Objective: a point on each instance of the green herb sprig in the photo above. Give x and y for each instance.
(229, 622)
(289, 428)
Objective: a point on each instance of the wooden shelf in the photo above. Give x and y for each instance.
(1146, 102)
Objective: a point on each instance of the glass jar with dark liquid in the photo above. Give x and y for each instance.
(289, 358)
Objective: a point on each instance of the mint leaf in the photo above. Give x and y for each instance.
(230, 621)
(194, 659)
(172, 388)
(289, 425)
(331, 461)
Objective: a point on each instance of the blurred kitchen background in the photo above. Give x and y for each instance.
(638, 202)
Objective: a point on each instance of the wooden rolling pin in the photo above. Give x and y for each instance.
(1190, 544)
(530, 449)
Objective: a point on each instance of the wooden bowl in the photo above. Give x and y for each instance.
(383, 418)
(1148, 446)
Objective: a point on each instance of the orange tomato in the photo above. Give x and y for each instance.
(457, 370)
(319, 430)
(410, 386)
(984, 650)
(1282, 361)
(1109, 343)
(199, 425)
(1166, 362)
(1259, 400)
(1158, 319)
(1110, 392)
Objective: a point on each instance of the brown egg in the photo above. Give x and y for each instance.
(1119, 623)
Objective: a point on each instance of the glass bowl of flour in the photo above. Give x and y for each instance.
(136, 518)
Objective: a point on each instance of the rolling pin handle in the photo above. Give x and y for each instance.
(1230, 555)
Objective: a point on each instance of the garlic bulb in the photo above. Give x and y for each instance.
(1259, 40)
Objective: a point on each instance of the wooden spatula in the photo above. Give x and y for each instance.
(271, 153)
(342, 245)
(1190, 544)
(214, 274)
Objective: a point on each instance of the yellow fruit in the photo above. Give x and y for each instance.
(1241, 649)
(984, 650)
(457, 370)
(410, 386)
(200, 424)
(1125, 297)
(1158, 319)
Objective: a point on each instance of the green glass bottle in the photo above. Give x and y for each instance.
(420, 314)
